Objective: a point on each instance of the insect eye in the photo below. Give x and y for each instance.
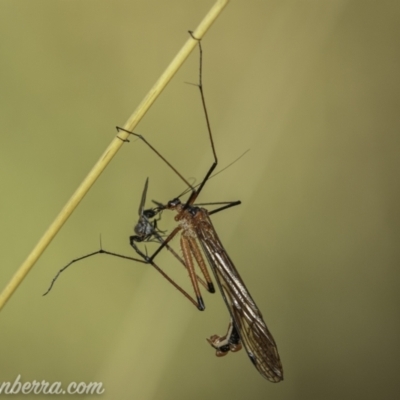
(173, 203)
(193, 210)
(149, 213)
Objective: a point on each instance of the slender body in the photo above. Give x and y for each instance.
(247, 326)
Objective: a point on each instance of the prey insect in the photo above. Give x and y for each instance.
(198, 238)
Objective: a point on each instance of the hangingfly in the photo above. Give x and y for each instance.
(198, 238)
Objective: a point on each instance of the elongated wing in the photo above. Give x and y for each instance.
(143, 199)
(247, 318)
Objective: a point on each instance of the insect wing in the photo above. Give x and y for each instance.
(247, 318)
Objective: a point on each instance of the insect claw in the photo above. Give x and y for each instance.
(124, 140)
(193, 37)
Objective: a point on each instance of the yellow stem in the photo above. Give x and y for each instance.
(110, 152)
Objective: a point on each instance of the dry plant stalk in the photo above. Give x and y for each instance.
(110, 152)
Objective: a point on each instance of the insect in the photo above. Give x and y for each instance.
(198, 238)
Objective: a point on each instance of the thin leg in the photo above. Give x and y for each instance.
(217, 173)
(194, 248)
(153, 264)
(101, 251)
(156, 151)
(200, 85)
(187, 249)
(195, 193)
(228, 204)
(187, 255)
(174, 253)
(169, 248)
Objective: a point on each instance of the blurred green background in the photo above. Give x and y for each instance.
(311, 88)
